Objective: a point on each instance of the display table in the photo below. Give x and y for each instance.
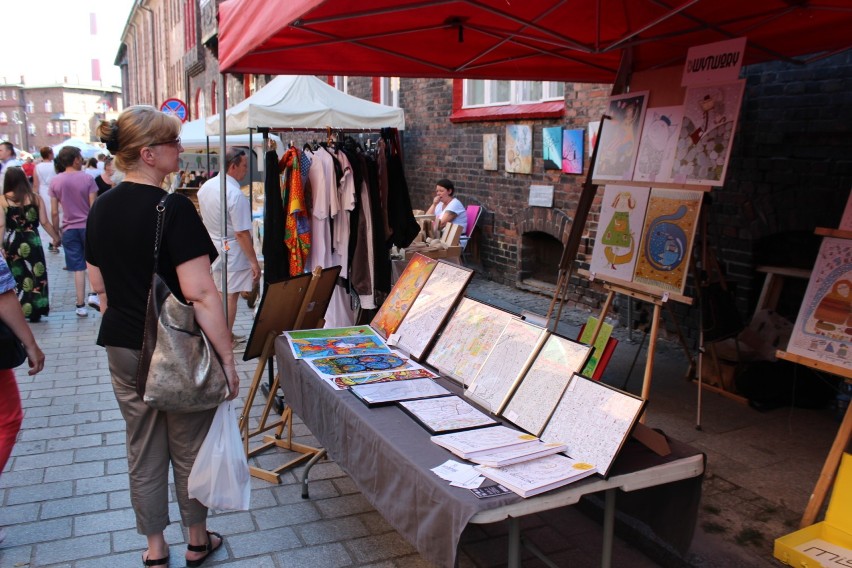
(389, 457)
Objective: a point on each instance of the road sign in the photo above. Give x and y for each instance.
(176, 107)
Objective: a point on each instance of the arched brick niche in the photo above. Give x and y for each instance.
(542, 234)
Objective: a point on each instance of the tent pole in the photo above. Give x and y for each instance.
(223, 189)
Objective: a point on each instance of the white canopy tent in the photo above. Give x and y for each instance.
(88, 150)
(193, 137)
(305, 102)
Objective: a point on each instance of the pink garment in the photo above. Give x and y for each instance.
(72, 189)
(11, 414)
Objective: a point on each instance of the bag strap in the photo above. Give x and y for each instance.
(158, 236)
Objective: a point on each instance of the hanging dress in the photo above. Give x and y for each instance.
(25, 257)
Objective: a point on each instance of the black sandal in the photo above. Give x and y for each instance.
(208, 548)
(155, 561)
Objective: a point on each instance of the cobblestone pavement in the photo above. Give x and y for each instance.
(64, 495)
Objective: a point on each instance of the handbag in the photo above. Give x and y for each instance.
(12, 352)
(178, 371)
(220, 477)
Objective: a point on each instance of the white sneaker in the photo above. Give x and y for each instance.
(94, 302)
(82, 311)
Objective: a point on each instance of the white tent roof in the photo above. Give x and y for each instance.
(88, 150)
(193, 137)
(303, 101)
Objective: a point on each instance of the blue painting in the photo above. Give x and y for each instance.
(572, 151)
(552, 147)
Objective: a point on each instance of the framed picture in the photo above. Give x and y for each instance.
(707, 132)
(822, 331)
(620, 136)
(593, 419)
(540, 388)
(592, 131)
(667, 237)
(430, 309)
(446, 414)
(381, 394)
(519, 149)
(402, 295)
(467, 339)
(619, 232)
(551, 147)
(506, 362)
(489, 151)
(658, 144)
(572, 151)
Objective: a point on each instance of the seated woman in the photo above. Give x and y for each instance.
(447, 209)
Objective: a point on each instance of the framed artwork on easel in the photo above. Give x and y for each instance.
(620, 137)
(403, 294)
(619, 231)
(279, 307)
(670, 222)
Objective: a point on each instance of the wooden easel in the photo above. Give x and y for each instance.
(311, 313)
(844, 433)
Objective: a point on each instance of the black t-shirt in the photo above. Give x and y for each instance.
(102, 185)
(120, 235)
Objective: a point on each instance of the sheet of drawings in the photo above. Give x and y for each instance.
(464, 344)
(400, 390)
(593, 420)
(447, 413)
(331, 346)
(431, 307)
(619, 231)
(403, 293)
(706, 135)
(343, 382)
(658, 144)
(540, 389)
(504, 364)
(667, 237)
(823, 329)
(483, 439)
(330, 332)
(329, 367)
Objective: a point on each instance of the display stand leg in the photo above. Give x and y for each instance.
(514, 560)
(608, 528)
(649, 365)
(829, 470)
(304, 481)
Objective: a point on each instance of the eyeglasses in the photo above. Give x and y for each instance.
(175, 142)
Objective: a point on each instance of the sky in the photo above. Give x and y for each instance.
(51, 39)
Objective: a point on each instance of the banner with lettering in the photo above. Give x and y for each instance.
(718, 62)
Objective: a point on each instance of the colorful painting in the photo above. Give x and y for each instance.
(489, 151)
(467, 339)
(620, 136)
(403, 294)
(619, 231)
(592, 132)
(658, 144)
(598, 349)
(327, 367)
(519, 149)
(823, 330)
(707, 133)
(551, 147)
(342, 382)
(310, 348)
(667, 239)
(330, 332)
(572, 151)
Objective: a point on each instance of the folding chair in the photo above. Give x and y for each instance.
(473, 213)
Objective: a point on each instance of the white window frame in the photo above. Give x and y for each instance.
(389, 91)
(30, 107)
(341, 83)
(48, 106)
(549, 93)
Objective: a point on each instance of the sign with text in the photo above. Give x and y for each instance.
(541, 196)
(718, 62)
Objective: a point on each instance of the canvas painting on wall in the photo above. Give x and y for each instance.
(823, 329)
(592, 132)
(620, 136)
(519, 149)
(402, 295)
(551, 147)
(706, 134)
(667, 239)
(489, 151)
(572, 151)
(658, 144)
(619, 232)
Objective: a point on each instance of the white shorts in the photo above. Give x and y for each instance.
(239, 281)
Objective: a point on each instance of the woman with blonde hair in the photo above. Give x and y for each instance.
(119, 250)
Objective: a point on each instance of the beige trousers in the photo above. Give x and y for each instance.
(154, 439)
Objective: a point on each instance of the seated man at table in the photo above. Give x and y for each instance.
(447, 209)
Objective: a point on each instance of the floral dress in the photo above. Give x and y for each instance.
(25, 257)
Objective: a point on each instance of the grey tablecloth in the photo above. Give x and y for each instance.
(388, 456)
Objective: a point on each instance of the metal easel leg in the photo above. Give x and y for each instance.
(608, 528)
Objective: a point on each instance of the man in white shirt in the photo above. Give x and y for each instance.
(243, 268)
(7, 159)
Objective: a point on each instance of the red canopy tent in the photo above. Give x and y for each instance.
(565, 40)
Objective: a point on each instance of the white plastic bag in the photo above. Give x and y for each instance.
(220, 475)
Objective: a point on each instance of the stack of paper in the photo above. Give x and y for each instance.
(519, 453)
(470, 443)
(537, 476)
